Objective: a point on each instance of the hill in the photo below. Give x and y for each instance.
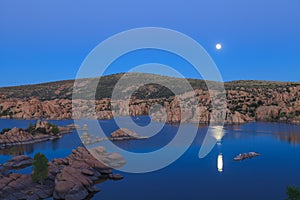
(64, 89)
(246, 100)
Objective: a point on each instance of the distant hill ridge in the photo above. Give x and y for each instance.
(63, 89)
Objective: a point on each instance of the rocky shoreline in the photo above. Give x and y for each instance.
(28, 140)
(243, 105)
(246, 101)
(71, 178)
(18, 136)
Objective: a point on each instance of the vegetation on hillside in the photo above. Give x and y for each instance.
(64, 89)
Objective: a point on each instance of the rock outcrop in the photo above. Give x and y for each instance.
(267, 113)
(244, 156)
(120, 134)
(20, 186)
(246, 101)
(71, 178)
(18, 136)
(41, 132)
(18, 162)
(125, 134)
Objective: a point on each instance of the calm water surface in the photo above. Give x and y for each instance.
(264, 177)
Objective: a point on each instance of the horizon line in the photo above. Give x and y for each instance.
(63, 80)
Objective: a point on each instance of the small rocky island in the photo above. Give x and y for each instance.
(40, 132)
(118, 135)
(125, 134)
(71, 178)
(17, 162)
(244, 156)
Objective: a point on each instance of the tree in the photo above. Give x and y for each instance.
(260, 103)
(31, 128)
(293, 193)
(54, 129)
(40, 168)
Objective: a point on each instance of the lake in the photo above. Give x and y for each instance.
(214, 177)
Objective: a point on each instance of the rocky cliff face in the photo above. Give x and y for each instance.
(246, 101)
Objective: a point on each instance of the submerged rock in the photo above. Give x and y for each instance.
(18, 162)
(115, 177)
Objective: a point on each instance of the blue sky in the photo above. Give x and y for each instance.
(43, 41)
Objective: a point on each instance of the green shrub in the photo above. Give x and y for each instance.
(40, 168)
(260, 103)
(30, 128)
(282, 114)
(41, 130)
(293, 193)
(54, 128)
(292, 115)
(254, 105)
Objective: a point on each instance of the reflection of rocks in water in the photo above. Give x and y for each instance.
(292, 138)
(55, 145)
(18, 150)
(23, 149)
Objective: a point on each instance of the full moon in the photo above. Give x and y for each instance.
(218, 46)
